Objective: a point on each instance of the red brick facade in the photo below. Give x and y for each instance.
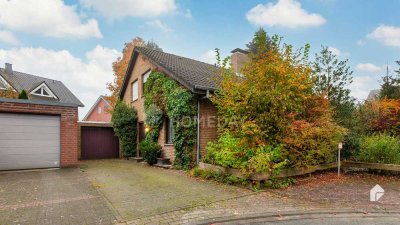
(208, 124)
(208, 120)
(99, 115)
(68, 126)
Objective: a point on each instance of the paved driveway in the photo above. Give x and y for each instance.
(62, 196)
(137, 190)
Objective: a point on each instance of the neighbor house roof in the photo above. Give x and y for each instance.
(373, 95)
(195, 75)
(101, 98)
(23, 81)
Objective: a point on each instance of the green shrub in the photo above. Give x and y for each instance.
(380, 148)
(351, 147)
(23, 95)
(124, 122)
(229, 152)
(150, 151)
(312, 143)
(226, 152)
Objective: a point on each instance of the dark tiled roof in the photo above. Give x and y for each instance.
(22, 81)
(193, 74)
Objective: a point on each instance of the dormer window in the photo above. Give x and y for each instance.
(44, 91)
(3, 84)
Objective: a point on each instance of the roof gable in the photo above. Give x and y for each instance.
(43, 90)
(94, 106)
(23, 81)
(194, 75)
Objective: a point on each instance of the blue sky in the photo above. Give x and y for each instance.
(76, 41)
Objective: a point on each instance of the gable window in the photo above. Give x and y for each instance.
(3, 84)
(44, 91)
(170, 131)
(145, 76)
(99, 110)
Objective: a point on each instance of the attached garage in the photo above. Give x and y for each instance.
(98, 141)
(37, 134)
(29, 141)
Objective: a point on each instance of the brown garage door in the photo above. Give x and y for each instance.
(98, 143)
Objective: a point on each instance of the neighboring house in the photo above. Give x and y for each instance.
(196, 76)
(373, 95)
(100, 111)
(39, 132)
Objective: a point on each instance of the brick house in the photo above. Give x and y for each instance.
(198, 77)
(100, 111)
(39, 132)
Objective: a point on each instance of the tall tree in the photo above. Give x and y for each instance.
(390, 87)
(252, 45)
(121, 65)
(333, 77)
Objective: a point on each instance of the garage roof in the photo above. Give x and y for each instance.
(28, 82)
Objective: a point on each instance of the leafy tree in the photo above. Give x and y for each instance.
(121, 65)
(23, 95)
(252, 45)
(333, 76)
(124, 121)
(151, 44)
(390, 87)
(275, 84)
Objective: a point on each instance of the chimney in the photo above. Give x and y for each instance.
(238, 59)
(8, 68)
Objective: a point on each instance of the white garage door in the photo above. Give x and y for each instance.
(29, 141)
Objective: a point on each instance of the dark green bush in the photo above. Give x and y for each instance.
(351, 147)
(23, 95)
(380, 148)
(150, 151)
(124, 122)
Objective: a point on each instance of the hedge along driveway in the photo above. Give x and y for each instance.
(136, 190)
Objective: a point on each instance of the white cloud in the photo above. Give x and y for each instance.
(86, 78)
(338, 52)
(48, 17)
(209, 57)
(368, 67)
(135, 8)
(362, 85)
(335, 51)
(159, 25)
(285, 13)
(388, 35)
(8, 37)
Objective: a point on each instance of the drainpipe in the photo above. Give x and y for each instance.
(198, 133)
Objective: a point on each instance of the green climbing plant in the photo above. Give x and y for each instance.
(165, 97)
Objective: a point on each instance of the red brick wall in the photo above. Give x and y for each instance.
(103, 116)
(68, 126)
(208, 124)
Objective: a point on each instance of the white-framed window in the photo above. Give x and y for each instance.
(44, 91)
(135, 90)
(3, 84)
(145, 76)
(99, 110)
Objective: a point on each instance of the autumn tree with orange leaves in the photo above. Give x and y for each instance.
(121, 65)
